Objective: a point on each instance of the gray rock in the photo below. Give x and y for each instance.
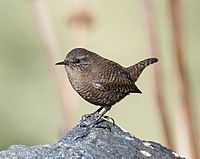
(104, 141)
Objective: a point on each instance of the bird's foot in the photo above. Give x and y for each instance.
(85, 116)
(96, 115)
(105, 117)
(92, 125)
(106, 126)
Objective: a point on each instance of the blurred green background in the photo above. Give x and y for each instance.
(29, 106)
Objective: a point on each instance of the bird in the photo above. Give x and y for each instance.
(100, 81)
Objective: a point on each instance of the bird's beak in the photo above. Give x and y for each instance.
(62, 63)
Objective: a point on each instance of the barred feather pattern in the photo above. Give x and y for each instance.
(101, 81)
(137, 69)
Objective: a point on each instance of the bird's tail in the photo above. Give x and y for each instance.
(137, 69)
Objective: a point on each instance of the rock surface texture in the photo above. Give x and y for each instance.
(101, 143)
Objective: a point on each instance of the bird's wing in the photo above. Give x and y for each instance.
(119, 87)
(117, 81)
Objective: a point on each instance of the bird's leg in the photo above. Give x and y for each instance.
(101, 115)
(91, 114)
(105, 117)
(97, 111)
(95, 122)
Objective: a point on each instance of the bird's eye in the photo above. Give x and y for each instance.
(77, 61)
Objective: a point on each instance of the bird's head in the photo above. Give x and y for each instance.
(78, 59)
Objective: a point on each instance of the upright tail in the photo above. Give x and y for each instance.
(137, 69)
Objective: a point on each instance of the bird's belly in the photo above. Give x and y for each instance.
(94, 95)
(101, 98)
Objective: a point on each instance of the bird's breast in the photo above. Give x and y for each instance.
(89, 86)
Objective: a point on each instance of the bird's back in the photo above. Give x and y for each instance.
(107, 83)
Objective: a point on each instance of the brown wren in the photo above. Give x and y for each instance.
(100, 81)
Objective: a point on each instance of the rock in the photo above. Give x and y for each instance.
(104, 141)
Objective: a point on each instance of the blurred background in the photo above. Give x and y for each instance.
(37, 104)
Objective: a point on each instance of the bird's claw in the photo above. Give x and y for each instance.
(103, 127)
(96, 115)
(109, 118)
(85, 116)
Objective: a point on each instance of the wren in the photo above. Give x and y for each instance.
(100, 81)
